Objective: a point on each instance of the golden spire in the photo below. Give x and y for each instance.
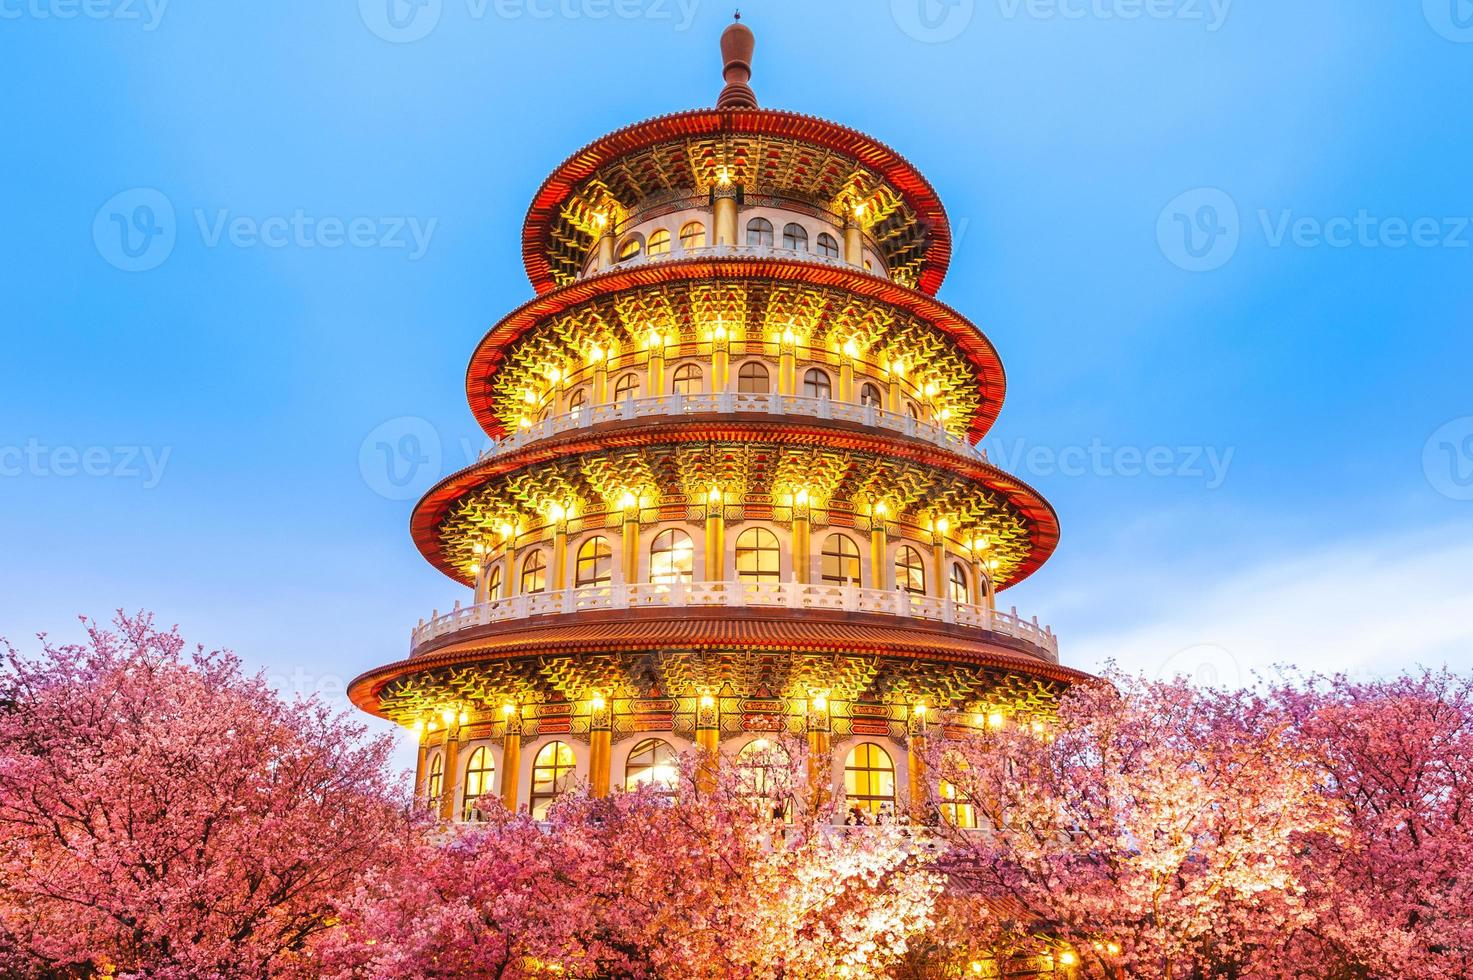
(737, 44)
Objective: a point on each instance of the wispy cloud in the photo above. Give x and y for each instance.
(1374, 605)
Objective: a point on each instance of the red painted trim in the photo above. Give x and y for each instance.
(561, 184)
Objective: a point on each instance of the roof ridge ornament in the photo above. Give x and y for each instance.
(737, 45)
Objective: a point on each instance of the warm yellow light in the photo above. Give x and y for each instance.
(714, 496)
(529, 397)
(508, 709)
(723, 177)
(418, 727)
(433, 727)
(851, 349)
(992, 563)
(554, 375)
(556, 512)
(597, 702)
(478, 548)
(931, 389)
(596, 355)
(475, 568)
(760, 744)
(707, 701)
(1037, 727)
(801, 498)
(820, 702)
(859, 209)
(942, 525)
(996, 720)
(976, 966)
(506, 530)
(629, 501)
(897, 368)
(719, 333)
(944, 414)
(920, 709)
(1113, 948)
(447, 716)
(980, 542)
(880, 509)
(1067, 958)
(600, 219)
(788, 336)
(464, 718)
(525, 422)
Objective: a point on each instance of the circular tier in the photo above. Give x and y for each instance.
(746, 652)
(848, 473)
(945, 367)
(783, 155)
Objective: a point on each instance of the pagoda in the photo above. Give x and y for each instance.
(734, 488)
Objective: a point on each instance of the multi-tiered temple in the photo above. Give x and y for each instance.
(734, 489)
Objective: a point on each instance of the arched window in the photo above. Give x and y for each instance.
(840, 559)
(493, 583)
(631, 247)
(479, 773)
(652, 763)
(870, 395)
(759, 232)
(552, 776)
(625, 387)
(758, 558)
(828, 245)
(816, 384)
(764, 777)
(910, 572)
(436, 782)
(753, 378)
(534, 574)
(692, 235)
(961, 588)
(672, 557)
(912, 411)
(686, 380)
(577, 400)
(795, 237)
(869, 778)
(659, 243)
(956, 809)
(595, 564)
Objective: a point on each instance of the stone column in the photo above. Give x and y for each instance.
(629, 540)
(421, 772)
(879, 566)
(606, 247)
(724, 217)
(654, 382)
(601, 377)
(708, 741)
(600, 747)
(451, 778)
(853, 242)
(916, 763)
(559, 556)
(511, 756)
(715, 536)
(720, 361)
(820, 762)
(802, 535)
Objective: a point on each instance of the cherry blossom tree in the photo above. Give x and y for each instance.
(1150, 830)
(164, 815)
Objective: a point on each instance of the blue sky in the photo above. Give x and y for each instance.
(190, 438)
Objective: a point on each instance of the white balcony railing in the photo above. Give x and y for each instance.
(727, 402)
(729, 252)
(790, 595)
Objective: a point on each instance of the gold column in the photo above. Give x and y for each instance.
(708, 741)
(511, 580)
(802, 534)
(846, 380)
(853, 242)
(629, 539)
(606, 247)
(483, 573)
(655, 380)
(916, 763)
(601, 378)
(720, 361)
(450, 780)
(420, 771)
(715, 537)
(787, 366)
(938, 565)
(511, 757)
(893, 398)
(879, 567)
(724, 217)
(600, 747)
(559, 556)
(820, 761)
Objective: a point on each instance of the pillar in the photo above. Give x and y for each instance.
(846, 380)
(629, 541)
(720, 361)
(483, 576)
(451, 778)
(802, 542)
(511, 757)
(820, 762)
(708, 741)
(600, 748)
(559, 557)
(655, 375)
(787, 365)
(512, 580)
(853, 243)
(601, 379)
(879, 566)
(894, 401)
(938, 566)
(724, 217)
(715, 537)
(606, 248)
(421, 769)
(916, 764)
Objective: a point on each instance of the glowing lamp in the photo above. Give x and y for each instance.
(920, 710)
(880, 509)
(707, 701)
(820, 702)
(801, 498)
(629, 501)
(447, 716)
(851, 349)
(942, 525)
(598, 702)
(508, 709)
(996, 720)
(1067, 958)
(506, 530)
(714, 496)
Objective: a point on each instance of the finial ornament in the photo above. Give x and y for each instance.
(737, 45)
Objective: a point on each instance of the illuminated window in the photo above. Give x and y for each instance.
(651, 763)
(828, 246)
(759, 232)
(625, 387)
(534, 574)
(795, 237)
(869, 778)
(692, 235)
(840, 559)
(659, 243)
(961, 589)
(595, 562)
(577, 400)
(672, 557)
(910, 573)
(758, 558)
(956, 809)
(436, 781)
(552, 775)
(479, 773)
(870, 395)
(686, 380)
(816, 384)
(753, 378)
(764, 777)
(493, 583)
(631, 247)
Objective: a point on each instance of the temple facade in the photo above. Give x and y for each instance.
(734, 488)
